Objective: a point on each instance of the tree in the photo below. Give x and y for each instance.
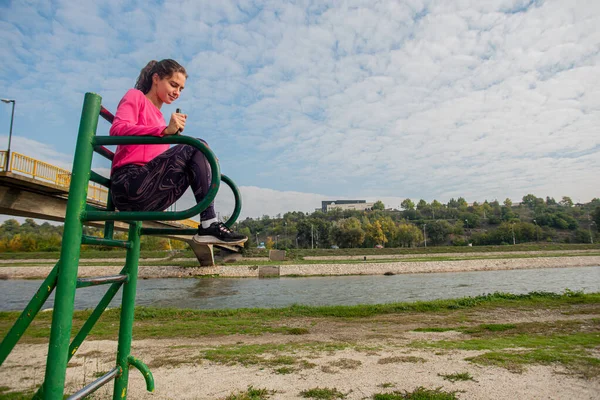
(566, 202)
(436, 207)
(348, 232)
(462, 203)
(379, 205)
(550, 201)
(407, 204)
(421, 204)
(390, 230)
(529, 200)
(409, 235)
(438, 231)
(508, 203)
(374, 233)
(596, 215)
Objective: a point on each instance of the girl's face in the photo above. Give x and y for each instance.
(168, 89)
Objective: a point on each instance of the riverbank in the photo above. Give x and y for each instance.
(320, 269)
(536, 346)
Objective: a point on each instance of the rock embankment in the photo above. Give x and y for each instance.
(366, 268)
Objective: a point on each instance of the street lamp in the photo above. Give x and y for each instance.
(12, 117)
(425, 234)
(285, 226)
(537, 231)
(590, 229)
(276, 240)
(257, 238)
(312, 242)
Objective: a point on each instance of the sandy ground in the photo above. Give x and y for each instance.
(378, 356)
(367, 268)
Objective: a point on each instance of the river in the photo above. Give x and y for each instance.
(216, 293)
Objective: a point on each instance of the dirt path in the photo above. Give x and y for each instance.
(358, 357)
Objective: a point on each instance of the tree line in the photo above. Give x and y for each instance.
(454, 223)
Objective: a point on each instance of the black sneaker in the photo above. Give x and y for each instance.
(217, 233)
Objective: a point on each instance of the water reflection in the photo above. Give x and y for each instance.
(208, 287)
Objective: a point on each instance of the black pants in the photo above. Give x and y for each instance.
(158, 184)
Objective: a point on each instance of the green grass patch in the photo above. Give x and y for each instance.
(270, 355)
(516, 361)
(7, 394)
(322, 393)
(284, 370)
(419, 393)
(513, 346)
(297, 331)
(459, 376)
(251, 394)
(168, 322)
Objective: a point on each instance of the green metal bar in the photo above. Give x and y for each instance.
(109, 226)
(104, 152)
(28, 314)
(143, 368)
(127, 311)
(96, 241)
(238, 200)
(62, 316)
(88, 325)
(169, 231)
(96, 177)
(160, 215)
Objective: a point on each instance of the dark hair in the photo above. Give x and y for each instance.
(164, 68)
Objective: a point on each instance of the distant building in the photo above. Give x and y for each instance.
(359, 205)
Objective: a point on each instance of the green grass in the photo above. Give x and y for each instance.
(167, 323)
(268, 355)
(459, 376)
(513, 346)
(419, 393)
(322, 393)
(251, 394)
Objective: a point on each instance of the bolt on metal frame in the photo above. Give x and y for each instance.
(63, 276)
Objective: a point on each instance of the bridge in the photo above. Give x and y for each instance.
(32, 188)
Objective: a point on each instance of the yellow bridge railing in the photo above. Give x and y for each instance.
(49, 173)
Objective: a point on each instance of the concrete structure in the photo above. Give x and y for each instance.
(22, 196)
(358, 205)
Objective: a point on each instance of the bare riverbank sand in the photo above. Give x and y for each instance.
(366, 356)
(364, 268)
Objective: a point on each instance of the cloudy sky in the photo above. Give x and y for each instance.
(311, 100)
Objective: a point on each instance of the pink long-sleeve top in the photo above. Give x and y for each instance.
(137, 116)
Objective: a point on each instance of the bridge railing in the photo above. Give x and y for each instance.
(36, 169)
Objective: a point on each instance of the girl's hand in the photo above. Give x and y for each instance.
(176, 124)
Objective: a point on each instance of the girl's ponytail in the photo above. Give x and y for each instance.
(164, 68)
(144, 81)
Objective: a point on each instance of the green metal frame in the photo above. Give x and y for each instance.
(64, 274)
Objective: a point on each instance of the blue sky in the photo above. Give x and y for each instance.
(311, 100)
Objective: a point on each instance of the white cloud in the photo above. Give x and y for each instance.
(421, 99)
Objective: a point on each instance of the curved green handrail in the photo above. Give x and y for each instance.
(159, 215)
(143, 368)
(238, 201)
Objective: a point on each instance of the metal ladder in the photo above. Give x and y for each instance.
(63, 276)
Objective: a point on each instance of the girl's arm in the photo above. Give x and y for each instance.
(127, 116)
